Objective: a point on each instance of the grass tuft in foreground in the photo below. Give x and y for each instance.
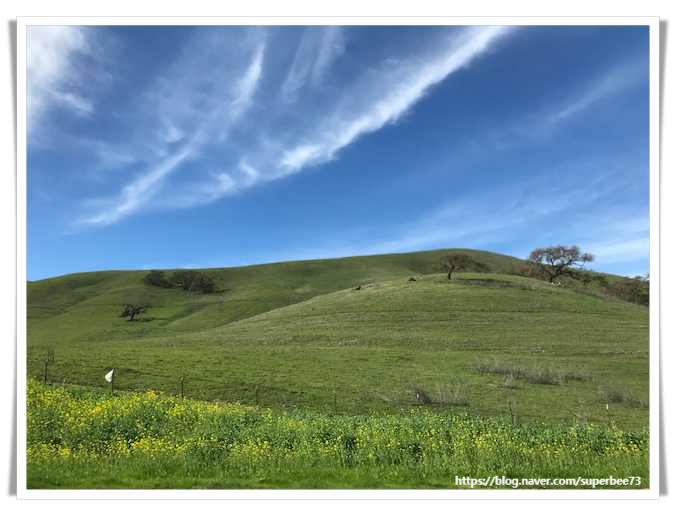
(80, 438)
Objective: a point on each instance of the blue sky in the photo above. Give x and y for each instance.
(163, 147)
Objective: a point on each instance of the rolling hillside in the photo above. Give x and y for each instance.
(79, 306)
(299, 334)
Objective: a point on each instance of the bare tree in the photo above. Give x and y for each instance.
(132, 311)
(560, 260)
(455, 262)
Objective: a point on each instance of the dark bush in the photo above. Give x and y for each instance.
(193, 281)
(635, 290)
(205, 284)
(157, 279)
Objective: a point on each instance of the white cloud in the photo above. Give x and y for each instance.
(331, 47)
(621, 240)
(171, 133)
(620, 250)
(249, 81)
(554, 210)
(109, 156)
(201, 99)
(137, 194)
(543, 121)
(318, 48)
(54, 79)
(391, 97)
(612, 81)
(250, 174)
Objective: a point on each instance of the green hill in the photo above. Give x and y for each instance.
(299, 334)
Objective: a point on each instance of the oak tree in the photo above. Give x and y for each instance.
(554, 262)
(132, 311)
(455, 262)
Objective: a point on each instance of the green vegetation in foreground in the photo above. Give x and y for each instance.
(80, 438)
(298, 335)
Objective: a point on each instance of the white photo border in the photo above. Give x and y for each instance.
(653, 23)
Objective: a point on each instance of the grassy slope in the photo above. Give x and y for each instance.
(300, 335)
(81, 304)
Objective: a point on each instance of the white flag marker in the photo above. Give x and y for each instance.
(109, 376)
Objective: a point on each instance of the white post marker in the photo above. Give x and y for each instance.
(110, 378)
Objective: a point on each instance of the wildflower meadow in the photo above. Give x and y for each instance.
(80, 438)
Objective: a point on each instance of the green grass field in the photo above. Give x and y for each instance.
(299, 336)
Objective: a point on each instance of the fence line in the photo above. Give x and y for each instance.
(257, 390)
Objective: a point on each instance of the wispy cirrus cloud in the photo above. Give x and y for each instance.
(317, 50)
(54, 78)
(620, 250)
(612, 81)
(198, 115)
(222, 111)
(197, 146)
(543, 121)
(559, 209)
(390, 96)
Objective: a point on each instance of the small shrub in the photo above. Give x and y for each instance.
(634, 290)
(498, 368)
(510, 382)
(453, 395)
(529, 270)
(619, 395)
(536, 375)
(447, 395)
(422, 397)
(543, 376)
(580, 376)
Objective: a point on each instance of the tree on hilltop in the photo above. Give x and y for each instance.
(557, 261)
(455, 262)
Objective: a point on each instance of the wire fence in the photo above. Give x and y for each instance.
(184, 384)
(191, 385)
